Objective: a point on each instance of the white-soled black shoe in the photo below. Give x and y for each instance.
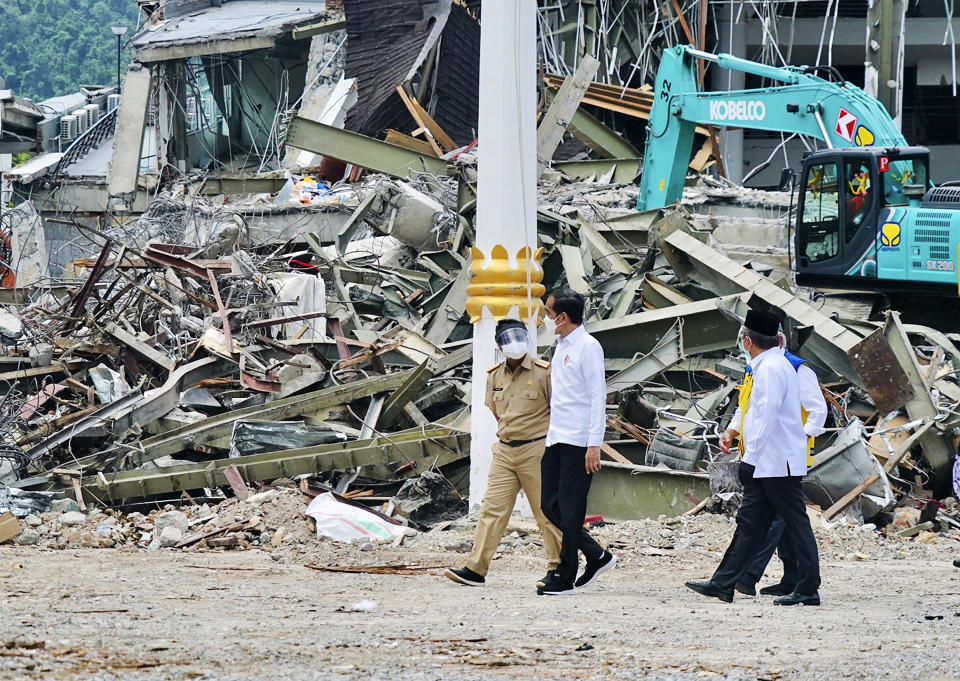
(595, 569)
(543, 580)
(465, 576)
(554, 587)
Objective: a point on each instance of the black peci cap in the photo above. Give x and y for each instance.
(762, 322)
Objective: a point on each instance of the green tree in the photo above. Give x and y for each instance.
(50, 47)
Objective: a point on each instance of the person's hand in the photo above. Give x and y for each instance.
(726, 439)
(592, 459)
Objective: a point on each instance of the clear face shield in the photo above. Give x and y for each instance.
(513, 342)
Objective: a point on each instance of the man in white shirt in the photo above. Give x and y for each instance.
(577, 424)
(813, 409)
(774, 463)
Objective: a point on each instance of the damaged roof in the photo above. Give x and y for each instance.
(231, 21)
(383, 44)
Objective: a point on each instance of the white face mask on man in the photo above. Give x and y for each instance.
(514, 350)
(514, 342)
(550, 324)
(741, 338)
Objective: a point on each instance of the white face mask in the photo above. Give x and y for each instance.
(743, 350)
(550, 324)
(514, 350)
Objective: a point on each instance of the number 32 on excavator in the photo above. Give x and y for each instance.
(868, 217)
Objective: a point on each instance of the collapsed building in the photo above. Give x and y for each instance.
(251, 268)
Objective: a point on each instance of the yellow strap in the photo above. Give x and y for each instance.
(744, 402)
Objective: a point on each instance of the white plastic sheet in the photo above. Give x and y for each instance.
(108, 384)
(308, 294)
(343, 522)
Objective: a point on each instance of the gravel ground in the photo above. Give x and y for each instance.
(891, 611)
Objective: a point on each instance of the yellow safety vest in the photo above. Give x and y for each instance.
(744, 401)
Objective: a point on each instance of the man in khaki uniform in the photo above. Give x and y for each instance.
(518, 394)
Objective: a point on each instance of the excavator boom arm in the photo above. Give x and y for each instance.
(838, 114)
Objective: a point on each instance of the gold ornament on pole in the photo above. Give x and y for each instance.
(500, 286)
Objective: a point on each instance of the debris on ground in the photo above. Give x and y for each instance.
(219, 344)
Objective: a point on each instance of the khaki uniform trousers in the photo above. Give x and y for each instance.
(513, 469)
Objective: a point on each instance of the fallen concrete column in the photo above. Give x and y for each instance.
(561, 111)
(128, 139)
(425, 447)
(831, 346)
(29, 263)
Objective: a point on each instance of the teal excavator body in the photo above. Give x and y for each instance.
(867, 215)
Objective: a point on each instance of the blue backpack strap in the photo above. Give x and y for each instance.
(795, 362)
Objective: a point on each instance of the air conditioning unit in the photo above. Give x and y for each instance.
(93, 114)
(113, 101)
(48, 130)
(82, 121)
(69, 128)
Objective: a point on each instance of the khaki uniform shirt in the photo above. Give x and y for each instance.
(520, 399)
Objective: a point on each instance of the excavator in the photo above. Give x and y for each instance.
(868, 217)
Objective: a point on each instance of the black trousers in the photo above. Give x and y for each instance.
(763, 499)
(781, 542)
(564, 484)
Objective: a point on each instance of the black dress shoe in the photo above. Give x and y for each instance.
(798, 599)
(780, 589)
(745, 589)
(956, 563)
(712, 590)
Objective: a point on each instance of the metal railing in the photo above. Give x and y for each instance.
(92, 138)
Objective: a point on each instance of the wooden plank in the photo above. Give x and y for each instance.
(78, 493)
(237, 484)
(906, 446)
(916, 529)
(849, 497)
(407, 142)
(614, 454)
(699, 507)
(435, 134)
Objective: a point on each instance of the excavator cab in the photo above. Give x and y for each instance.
(843, 195)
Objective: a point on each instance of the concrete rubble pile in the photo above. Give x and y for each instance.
(178, 371)
(226, 340)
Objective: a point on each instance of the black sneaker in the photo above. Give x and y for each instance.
(464, 576)
(595, 569)
(554, 587)
(543, 580)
